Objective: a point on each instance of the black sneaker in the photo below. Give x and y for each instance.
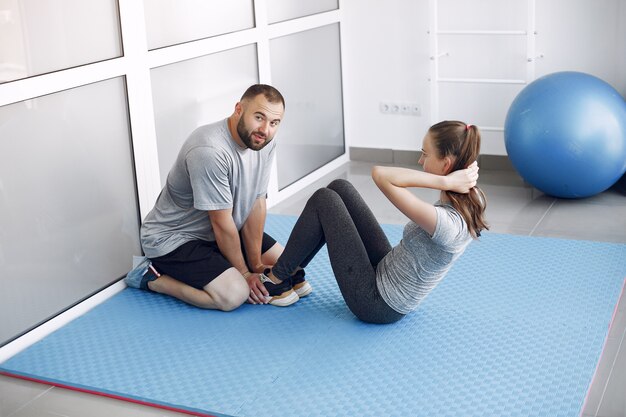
(300, 285)
(281, 295)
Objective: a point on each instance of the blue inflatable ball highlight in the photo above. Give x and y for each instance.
(565, 133)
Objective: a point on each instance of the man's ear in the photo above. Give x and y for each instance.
(238, 108)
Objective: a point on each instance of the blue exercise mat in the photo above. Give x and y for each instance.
(516, 328)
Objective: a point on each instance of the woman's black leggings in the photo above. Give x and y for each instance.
(338, 217)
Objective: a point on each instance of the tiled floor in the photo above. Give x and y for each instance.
(513, 207)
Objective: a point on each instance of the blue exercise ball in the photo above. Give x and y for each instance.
(565, 133)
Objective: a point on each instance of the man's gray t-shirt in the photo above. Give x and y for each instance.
(416, 265)
(210, 173)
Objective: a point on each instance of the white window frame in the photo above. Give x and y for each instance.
(135, 66)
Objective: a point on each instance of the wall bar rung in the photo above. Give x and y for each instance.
(483, 32)
(480, 81)
(491, 128)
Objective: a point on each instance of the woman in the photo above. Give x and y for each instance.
(381, 284)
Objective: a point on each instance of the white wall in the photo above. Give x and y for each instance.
(621, 47)
(581, 35)
(387, 49)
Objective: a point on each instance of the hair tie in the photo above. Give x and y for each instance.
(468, 126)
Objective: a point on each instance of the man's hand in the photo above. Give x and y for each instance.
(463, 180)
(258, 292)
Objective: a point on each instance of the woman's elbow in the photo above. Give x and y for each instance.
(377, 173)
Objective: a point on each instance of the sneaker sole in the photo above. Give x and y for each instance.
(285, 299)
(303, 289)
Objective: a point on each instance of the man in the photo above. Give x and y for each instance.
(204, 240)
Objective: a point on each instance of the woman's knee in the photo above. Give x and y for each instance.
(324, 196)
(325, 200)
(340, 185)
(345, 190)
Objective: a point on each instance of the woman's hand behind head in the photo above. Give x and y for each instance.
(463, 180)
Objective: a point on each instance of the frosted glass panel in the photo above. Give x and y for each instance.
(38, 36)
(483, 56)
(170, 22)
(69, 222)
(482, 14)
(306, 68)
(279, 10)
(191, 93)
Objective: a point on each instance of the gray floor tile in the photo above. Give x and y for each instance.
(601, 378)
(16, 393)
(63, 402)
(581, 219)
(613, 402)
(610, 373)
(619, 322)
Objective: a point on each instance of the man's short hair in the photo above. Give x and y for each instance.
(270, 93)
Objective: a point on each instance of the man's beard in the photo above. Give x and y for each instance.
(246, 137)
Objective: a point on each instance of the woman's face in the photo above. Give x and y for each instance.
(430, 159)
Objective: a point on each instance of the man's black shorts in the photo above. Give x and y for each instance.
(198, 262)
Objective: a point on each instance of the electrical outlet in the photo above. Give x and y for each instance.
(400, 108)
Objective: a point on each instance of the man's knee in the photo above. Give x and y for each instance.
(229, 290)
(235, 298)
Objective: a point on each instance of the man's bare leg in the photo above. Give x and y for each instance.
(226, 292)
